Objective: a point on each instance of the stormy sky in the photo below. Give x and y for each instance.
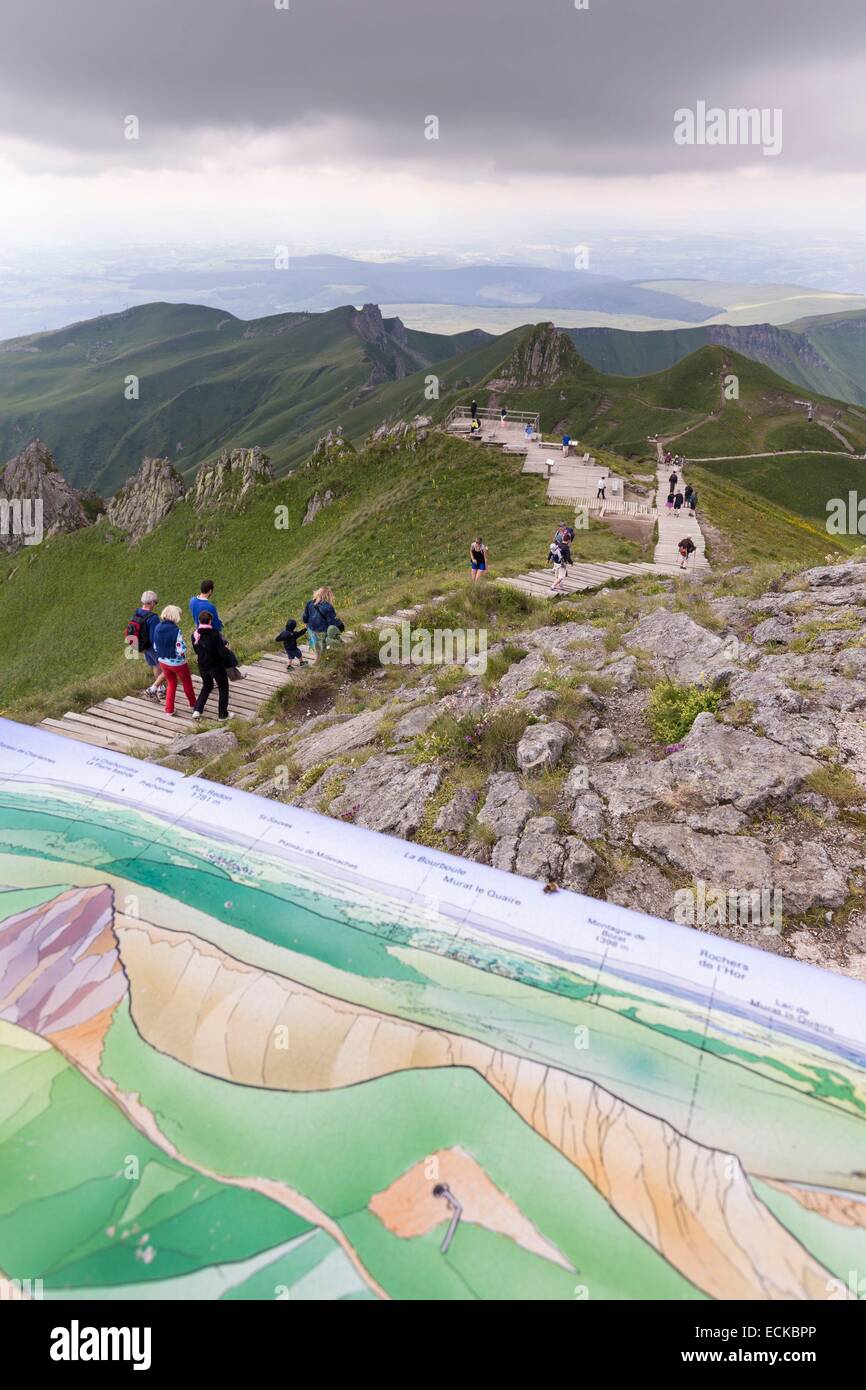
(315, 114)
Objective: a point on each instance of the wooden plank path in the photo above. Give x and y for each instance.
(136, 723)
(583, 576)
(673, 526)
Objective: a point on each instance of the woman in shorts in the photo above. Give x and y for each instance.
(477, 558)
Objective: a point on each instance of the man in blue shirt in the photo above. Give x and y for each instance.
(204, 603)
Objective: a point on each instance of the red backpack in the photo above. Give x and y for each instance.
(136, 633)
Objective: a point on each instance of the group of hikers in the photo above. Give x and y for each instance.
(475, 423)
(157, 636)
(678, 498)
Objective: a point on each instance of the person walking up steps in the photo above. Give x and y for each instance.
(560, 558)
(693, 504)
(139, 635)
(478, 556)
(212, 654)
(170, 648)
(678, 500)
(673, 480)
(473, 410)
(686, 548)
(503, 417)
(601, 494)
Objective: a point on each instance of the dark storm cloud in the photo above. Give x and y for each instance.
(523, 85)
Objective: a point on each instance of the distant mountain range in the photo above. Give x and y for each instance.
(183, 382)
(316, 283)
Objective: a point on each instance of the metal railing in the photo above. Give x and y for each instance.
(520, 417)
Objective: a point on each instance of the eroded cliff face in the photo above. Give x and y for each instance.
(31, 477)
(147, 498)
(693, 1204)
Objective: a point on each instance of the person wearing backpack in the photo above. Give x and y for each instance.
(318, 616)
(686, 548)
(139, 637)
(212, 655)
(560, 558)
(170, 648)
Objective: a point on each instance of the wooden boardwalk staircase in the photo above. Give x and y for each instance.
(138, 724)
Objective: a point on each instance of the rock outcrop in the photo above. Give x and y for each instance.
(39, 502)
(146, 498)
(765, 791)
(541, 358)
(226, 481)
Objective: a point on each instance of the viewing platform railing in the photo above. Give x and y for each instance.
(520, 417)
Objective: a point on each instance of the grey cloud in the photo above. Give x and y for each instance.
(518, 85)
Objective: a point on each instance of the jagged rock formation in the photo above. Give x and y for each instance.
(31, 477)
(389, 350)
(331, 448)
(225, 481)
(315, 505)
(148, 497)
(541, 358)
(402, 434)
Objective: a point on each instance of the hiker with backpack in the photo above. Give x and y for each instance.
(139, 638)
(290, 636)
(212, 655)
(478, 556)
(678, 500)
(559, 556)
(170, 648)
(686, 548)
(319, 615)
(673, 480)
(693, 504)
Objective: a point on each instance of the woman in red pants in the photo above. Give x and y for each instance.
(170, 649)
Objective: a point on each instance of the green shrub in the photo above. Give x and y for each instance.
(490, 741)
(672, 709)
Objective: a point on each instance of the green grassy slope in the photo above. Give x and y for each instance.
(207, 381)
(824, 354)
(686, 404)
(398, 531)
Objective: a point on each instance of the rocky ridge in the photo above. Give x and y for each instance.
(550, 765)
(33, 476)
